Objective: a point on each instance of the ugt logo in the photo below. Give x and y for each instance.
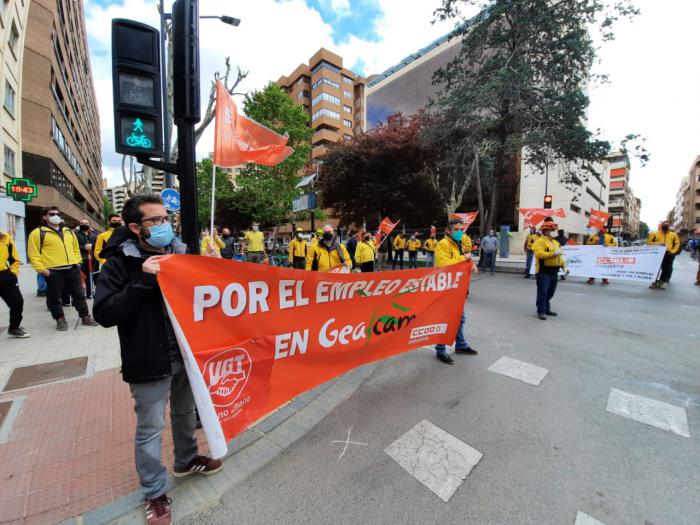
(226, 375)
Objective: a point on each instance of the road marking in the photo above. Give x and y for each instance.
(437, 459)
(498, 344)
(525, 372)
(649, 411)
(348, 442)
(585, 519)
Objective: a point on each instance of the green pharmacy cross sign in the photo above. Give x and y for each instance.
(22, 190)
(138, 138)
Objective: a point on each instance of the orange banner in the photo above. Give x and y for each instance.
(386, 226)
(598, 219)
(254, 337)
(467, 218)
(534, 216)
(239, 140)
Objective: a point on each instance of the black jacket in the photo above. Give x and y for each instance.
(86, 238)
(132, 300)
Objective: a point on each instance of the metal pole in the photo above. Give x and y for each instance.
(546, 176)
(187, 170)
(164, 93)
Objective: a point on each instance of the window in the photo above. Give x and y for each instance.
(347, 94)
(347, 108)
(325, 96)
(9, 98)
(323, 112)
(324, 80)
(14, 38)
(347, 123)
(303, 94)
(9, 165)
(347, 137)
(575, 208)
(347, 80)
(325, 65)
(60, 140)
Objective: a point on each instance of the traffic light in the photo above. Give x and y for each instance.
(138, 112)
(548, 202)
(186, 100)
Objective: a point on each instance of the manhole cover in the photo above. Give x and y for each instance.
(27, 376)
(4, 410)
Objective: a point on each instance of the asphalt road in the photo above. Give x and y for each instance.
(549, 451)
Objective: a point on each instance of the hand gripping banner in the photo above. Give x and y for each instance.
(254, 337)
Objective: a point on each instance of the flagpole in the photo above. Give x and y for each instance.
(213, 193)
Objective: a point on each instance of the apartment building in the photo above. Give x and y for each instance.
(117, 195)
(686, 212)
(60, 123)
(623, 206)
(13, 22)
(331, 94)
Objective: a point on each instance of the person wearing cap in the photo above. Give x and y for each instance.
(449, 251)
(328, 253)
(602, 238)
(549, 257)
(364, 253)
(297, 250)
(413, 245)
(664, 236)
(253, 246)
(9, 285)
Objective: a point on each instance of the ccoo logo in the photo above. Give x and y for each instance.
(226, 375)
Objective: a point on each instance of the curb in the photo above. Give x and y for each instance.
(248, 453)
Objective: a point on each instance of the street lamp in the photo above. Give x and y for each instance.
(226, 19)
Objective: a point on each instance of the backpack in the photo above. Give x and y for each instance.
(42, 236)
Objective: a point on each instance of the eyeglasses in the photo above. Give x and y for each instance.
(157, 221)
(53, 213)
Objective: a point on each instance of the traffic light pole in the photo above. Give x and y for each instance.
(186, 169)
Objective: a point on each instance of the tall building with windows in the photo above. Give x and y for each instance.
(60, 122)
(117, 195)
(686, 212)
(623, 206)
(333, 96)
(13, 21)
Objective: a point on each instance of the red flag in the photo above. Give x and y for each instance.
(386, 226)
(534, 216)
(239, 140)
(598, 219)
(378, 238)
(466, 218)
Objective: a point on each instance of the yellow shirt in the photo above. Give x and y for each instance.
(255, 241)
(466, 244)
(327, 259)
(399, 243)
(429, 245)
(669, 239)
(531, 240)
(55, 252)
(218, 244)
(413, 245)
(608, 241)
(447, 252)
(297, 248)
(101, 242)
(544, 249)
(364, 252)
(9, 258)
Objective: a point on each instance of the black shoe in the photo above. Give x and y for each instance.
(527, 276)
(18, 332)
(553, 314)
(542, 317)
(445, 358)
(67, 305)
(466, 351)
(41, 294)
(61, 324)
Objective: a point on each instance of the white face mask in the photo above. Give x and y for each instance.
(255, 228)
(55, 219)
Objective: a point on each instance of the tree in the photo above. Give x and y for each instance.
(384, 172)
(518, 86)
(107, 210)
(224, 192)
(643, 230)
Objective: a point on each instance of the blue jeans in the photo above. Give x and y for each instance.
(490, 261)
(429, 259)
(149, 404)
(546, 286)
(460, 342)
(529, 255)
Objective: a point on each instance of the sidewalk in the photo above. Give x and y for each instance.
(66, 447)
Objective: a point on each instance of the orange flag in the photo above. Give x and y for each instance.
(598, 219)
(239, 140)
(466, 218)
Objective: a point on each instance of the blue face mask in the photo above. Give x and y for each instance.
(161, 235)
(457, 235)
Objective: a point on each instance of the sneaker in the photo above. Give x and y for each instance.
(466, 351)
(18, 332)
(542, 317)
(527, 276)
(89, 321)
(590, 281)
(654, 285)
(158, 511)
(445, 358)
(553, 314)
(605, 281)
(61, 324)
(662, 286)
(199, 465)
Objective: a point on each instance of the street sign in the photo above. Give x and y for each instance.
(138, 113)
(304, 202)
(22, 190)
(171, 199)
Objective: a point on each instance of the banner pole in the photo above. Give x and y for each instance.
(213, 193)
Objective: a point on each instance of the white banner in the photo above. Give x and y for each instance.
(629, 263)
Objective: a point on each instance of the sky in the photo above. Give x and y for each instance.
(653, 88)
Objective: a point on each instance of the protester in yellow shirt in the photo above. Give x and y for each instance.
(212, 249)
(429, 247)
(549, 260)
(253, 247)
(297, 250)
(527, 247)
(447, 252)
(115, 221)
(413, 245)
(364, 254)
(399, 246)
(665, 237)
(328, 254)
(602, 238)
(9, 285)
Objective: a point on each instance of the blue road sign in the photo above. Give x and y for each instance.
(171, 199)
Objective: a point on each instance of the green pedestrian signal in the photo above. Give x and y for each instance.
(138, 139)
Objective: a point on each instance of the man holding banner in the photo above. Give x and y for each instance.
(602, 238)
(668, 238)
(328, 254)
(130, 298)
